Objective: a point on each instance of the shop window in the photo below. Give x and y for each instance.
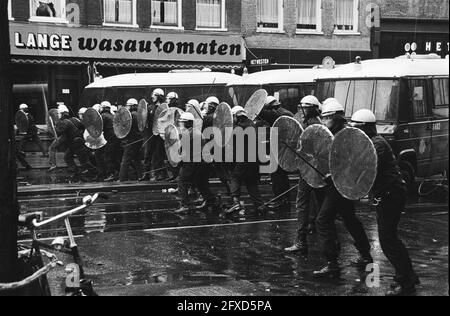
(419, 99)
(211, 14)
(48, 11)
(347, 12)
(166, 13)
(441, 98)
(120, 13)
(309, 15)
(270, 15)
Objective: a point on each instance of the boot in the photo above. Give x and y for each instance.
(300, 246)
(52, 168)
(330, 271)
(182, 209)
(237, 206)
(405, 289)
(111, 178)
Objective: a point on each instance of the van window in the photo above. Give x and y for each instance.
(441, 98)
(380, 96)
(419, 98)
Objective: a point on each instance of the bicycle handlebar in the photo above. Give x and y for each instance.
(87, 201)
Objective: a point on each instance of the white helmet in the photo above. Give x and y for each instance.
(186, 117)
(62, 109)
(172, 95)
(212, 100)
(113, 109)
(81, 111)
(271, 99)
(332, 107)
(363, 117)
(158, 92)
(238, 111)
(97, 107)
(106, 104)
(132, 102)
(329, 100)
(194, 103)
(23, 106)
(310, 101)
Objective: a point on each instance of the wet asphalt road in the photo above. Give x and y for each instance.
(132, 245)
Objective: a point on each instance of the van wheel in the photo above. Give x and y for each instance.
(408, 174)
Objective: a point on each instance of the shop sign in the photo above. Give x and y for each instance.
(55, 41)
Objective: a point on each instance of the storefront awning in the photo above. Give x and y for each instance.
(124, 64)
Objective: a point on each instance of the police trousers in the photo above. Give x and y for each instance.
(77, 147)
(389, 212)
(196, 175)
(307, 209)
(108, 158)
(53, 150)
(130, 158)
(280, 184)
(154, 154)
(332, 204)
(246, 174)
(32, 138)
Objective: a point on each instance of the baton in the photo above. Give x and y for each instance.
(156, 170)
(281, 195)
(307, 162)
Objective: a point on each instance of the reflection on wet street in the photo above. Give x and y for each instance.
(133, 245)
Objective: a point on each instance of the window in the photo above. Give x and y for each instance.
(10, 10)
(48, 11)
(309, 15)
(166, 13)
(270, 15)
(347, 12)
(380, 96)
(419, 98)
(211, 14)
(441, 98)
(120, 13)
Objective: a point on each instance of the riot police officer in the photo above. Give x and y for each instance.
(389, 192)
(332, 203)
(244, 172)
(280, 179)
(131, 144)
(172, 101)
(32, 132)
(192, 172)
(110, 153)
(309, 108)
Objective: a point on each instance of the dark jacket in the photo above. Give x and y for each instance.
(68, 128)
(108, 126)
(245, 124)
(270, 115)
(308, 121)
(339, 123)
(134, 134)
(388, 175)
(32, 129)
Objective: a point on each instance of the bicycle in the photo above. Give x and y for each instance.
(31, 258)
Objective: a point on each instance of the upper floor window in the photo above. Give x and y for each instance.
(309, 15)
(166, 13)
(211, 14)
(270, 15)
(120, 12)
(48, 11)
(9, 10)
(347, 12)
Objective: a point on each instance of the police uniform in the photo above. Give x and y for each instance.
(32, 135)
(131, 145)
(108, 157)
(71, 131)
(332, 204)
(280, 178)
(246, 172)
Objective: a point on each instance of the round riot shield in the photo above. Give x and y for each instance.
(172, 144)
(256, 103)
(94, 143)
(284, 136)
(142, 115)
(223, 122)
(314, 147)
(22, 122)
(198, 119)
(93, 122)
(161, 108)
(122, 123)
(52, 119)
(168, 117)
(353, 163)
